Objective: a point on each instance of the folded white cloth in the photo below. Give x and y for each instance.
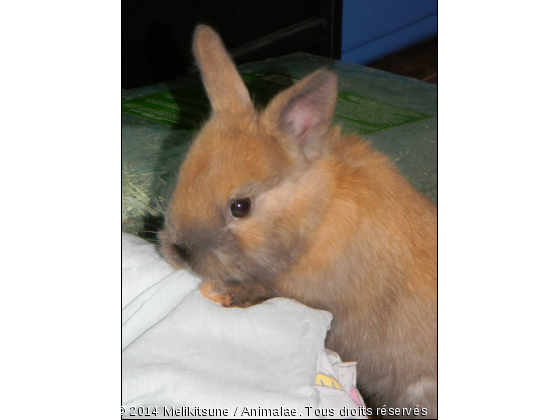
(183, 354)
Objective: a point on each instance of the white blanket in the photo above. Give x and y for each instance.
(183, 354)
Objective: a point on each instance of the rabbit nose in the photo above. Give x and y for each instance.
(183, 252)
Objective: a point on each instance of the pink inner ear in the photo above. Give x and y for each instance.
(302, 116)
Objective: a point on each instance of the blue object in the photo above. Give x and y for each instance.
(373, 29)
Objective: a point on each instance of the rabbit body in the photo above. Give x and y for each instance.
(332, 223)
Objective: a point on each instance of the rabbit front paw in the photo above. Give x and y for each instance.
(236, 294)
(229, 294)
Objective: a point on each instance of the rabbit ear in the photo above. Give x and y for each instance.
(303, 113)
(222, 81)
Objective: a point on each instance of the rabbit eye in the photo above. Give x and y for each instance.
(240, 207)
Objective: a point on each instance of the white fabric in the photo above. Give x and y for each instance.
(336, 383)
(180, 349)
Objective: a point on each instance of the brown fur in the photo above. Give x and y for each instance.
(333, 225)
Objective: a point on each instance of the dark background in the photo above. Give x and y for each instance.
(157, 35)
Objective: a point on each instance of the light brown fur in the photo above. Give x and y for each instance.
(333, 225)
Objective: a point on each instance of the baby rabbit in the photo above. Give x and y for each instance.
(278, 203)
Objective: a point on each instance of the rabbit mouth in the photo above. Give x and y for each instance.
(227, 268)
(220, 256)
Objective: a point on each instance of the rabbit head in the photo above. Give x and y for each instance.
(251, 190)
